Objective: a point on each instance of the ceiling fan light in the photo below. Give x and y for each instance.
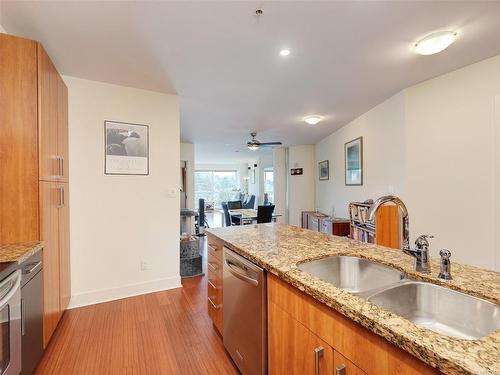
(435, 42)
(253, 147)
(313, 119)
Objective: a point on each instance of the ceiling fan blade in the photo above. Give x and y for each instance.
(271, 144)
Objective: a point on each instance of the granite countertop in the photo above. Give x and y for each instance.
(278, 248)
(18, 252)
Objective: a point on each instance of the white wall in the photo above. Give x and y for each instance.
(382, 129)
(280, 188)
(301, 193)
(187, 155)
(437, 146)
(497, 183)
(451, 161)
(117, 221)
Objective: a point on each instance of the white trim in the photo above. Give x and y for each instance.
(111, 294)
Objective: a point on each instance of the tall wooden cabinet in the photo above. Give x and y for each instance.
(34, 184)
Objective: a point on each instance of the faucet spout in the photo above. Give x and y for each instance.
(405, 245)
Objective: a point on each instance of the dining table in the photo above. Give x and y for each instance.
(248, 215)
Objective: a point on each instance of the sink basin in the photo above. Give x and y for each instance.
(353, 274)
(440, 309)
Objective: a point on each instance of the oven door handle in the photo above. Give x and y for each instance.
(13, 282)
(232, 268)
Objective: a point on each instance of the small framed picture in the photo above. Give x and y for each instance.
(323, 170)
(354, 162)
(126, 148)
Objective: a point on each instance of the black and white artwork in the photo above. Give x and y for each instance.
(127, 148)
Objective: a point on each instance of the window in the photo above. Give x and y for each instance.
(269, 184)
(215, 186)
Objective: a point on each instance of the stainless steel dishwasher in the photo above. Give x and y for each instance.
(245, 313)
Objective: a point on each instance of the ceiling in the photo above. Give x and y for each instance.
(223, 61)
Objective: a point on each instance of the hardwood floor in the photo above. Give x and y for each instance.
(160, 333)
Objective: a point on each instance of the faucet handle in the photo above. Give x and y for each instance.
(445, 272)
(422, 241)
(445, 254)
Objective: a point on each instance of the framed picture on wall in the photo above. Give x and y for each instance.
(323, 170)
(126, 148)
(354, 162)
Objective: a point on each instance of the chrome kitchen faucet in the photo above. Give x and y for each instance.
(421, 251)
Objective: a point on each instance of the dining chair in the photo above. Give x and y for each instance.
(227, 217)
(234, 205)
(265, 214)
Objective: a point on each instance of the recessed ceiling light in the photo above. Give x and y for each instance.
(285, 52)
(435, 42)
(313, 119)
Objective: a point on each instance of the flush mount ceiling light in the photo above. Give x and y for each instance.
(435, 42)
(285, 52)
(313, 119)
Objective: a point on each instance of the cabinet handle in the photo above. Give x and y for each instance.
(212, 285)
(318, 353)
(340, 370)
(22, 317)
(59, 173)
(62, 166)
(61, 196)
(217, 307)
(214, 268)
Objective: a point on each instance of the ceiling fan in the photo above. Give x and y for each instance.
(254, 144)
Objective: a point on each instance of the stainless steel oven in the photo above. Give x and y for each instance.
(10, 324)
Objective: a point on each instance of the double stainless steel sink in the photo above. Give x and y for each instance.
(430, 306)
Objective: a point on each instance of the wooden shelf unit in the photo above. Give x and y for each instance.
(384, 231)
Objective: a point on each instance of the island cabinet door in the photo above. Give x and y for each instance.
(293, 349)
(345, 367)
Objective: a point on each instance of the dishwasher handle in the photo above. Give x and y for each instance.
(233, 267)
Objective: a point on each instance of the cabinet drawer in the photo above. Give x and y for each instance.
(214, 264)
(345, 367)
(214, 279)
(214, 251)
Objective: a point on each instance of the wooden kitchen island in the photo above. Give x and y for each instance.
(314, 325)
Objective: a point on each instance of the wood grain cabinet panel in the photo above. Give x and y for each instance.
(64, 253)
(49, 217)
(34, 192)
(369, 352)
(48, 118)
(62, 128)
(18, 140)
(345, 367)
(294, 349)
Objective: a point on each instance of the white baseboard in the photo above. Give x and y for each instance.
(111, 294)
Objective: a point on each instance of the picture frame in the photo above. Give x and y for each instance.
(324, 170)
(126, 148)
(353, 160)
